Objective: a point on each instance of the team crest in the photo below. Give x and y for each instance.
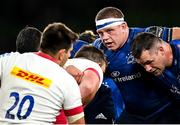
(130, 58)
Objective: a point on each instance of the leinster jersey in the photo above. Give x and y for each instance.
(142, 92)
(171, 75)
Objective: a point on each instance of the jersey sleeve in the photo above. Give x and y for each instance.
(98, 72)
(97, 43)
(2, 62)
(163, 32)
(72, 103)
(0, 66)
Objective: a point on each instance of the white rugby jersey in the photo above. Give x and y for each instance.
(34, 89)
(86, 64)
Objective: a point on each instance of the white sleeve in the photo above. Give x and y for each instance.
(0, 67)
(4, 59)
(2, 56)
(72, 94)
(72, 104)
(1, 63)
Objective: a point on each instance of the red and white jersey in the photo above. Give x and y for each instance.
(34, 89)
(86, 64)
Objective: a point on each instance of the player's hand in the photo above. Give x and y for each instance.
(75, 72)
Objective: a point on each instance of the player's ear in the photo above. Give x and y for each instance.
(161, 50)
(124, 25)
(103, 66)
(60, 55)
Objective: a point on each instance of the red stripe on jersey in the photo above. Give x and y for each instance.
(95, 71)
(73, 111)
(61, 118)
(45, 56)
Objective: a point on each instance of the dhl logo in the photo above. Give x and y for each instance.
(31, 77)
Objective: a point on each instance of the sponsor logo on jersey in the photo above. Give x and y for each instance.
(31, 77)
(100, 116)
(115, 73)
(117, 78)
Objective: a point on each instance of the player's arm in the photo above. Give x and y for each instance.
(72, 105)
(175, 33)
(88, 82)
(79, 121)
(75, 72)
(165, 33)
(89, 85)
(1, 58)
(75, 116)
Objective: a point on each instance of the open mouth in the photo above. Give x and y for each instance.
(109, 44)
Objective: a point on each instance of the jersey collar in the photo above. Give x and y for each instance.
(44, 55)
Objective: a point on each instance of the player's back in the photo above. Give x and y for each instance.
(85, 64)
(33, 89)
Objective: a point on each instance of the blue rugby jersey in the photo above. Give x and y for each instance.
(116, 96)
(107, 105)
(171, 75)
(76, 46)
(142, 92)
(104, 108)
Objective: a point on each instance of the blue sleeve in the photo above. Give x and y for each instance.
(97, 43)
(76, 46)
(175, 41)
(163, 32)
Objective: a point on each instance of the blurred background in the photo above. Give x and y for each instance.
(79, 15)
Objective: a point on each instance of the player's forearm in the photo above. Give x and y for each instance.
(175, 33)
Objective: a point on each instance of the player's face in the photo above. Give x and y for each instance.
(114, 37)
(153, 62)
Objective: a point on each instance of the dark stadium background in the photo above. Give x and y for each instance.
(79, 15)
